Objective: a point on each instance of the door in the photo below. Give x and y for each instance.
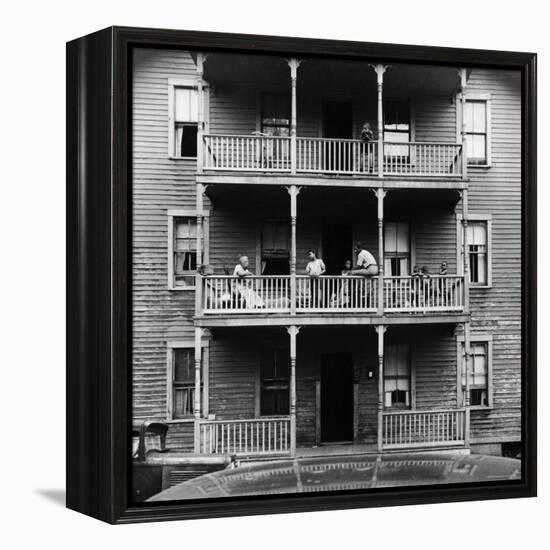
(337, 398)
(337, 247)
(337, 123)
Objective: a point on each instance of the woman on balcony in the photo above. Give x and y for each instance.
(248, 297)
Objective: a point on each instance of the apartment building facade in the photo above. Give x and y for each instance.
(266, 157)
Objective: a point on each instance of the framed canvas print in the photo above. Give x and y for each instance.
(301, 274)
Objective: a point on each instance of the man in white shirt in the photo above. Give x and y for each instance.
(366, 263)
(315, 268)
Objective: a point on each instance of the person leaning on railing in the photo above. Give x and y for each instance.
(366, 263)
(367, 136)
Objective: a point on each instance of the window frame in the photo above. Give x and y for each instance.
(412, 394)
(173, 215)
(476, 97)
(174, 83)
(171, 345)
(479, 338)
(477, 217)
(261, 99)
(411, 255)
(258, 388)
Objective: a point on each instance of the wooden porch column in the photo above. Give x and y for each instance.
(380, 330)
(465, 252)
(467, 368)
(200, 111)
(292, 331)
(197, 396)
(462, 73)
(293, 63)
(380, 195)
(293, 191)
(380, 70)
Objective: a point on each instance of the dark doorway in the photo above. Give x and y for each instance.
(337, 247)
(337, 123)
(337, 398)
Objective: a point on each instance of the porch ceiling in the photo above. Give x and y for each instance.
(400, 80)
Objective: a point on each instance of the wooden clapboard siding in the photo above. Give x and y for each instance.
(159, 184)
(434, 239)
(433, 355)
(434, 119)
(497, 311)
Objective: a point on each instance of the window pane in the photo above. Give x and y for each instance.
(186, 105)
(186, 140)
(275, 239)
(186, 233)
(390, 240)
(477, 233)
(479, 117)
(402, 237)
(469, 116)
(184, 365)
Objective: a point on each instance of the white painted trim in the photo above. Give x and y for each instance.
(475, 337)
(474, 96)
(184, 83)
(479, 217)
(189, 343)
(173, 213)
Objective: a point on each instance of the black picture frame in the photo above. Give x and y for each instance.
(99, 282)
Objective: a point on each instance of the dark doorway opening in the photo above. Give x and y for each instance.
(338, 123)
(337, 247)
(337, 398)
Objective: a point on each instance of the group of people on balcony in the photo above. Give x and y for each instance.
(319, 292)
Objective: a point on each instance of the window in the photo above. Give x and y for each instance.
(182, 255)
(274, 382)
(185, 121)
(396, 249)
(397, 127)
(475, 119)
(183, 382)
(477, 251)
(478, 378)
(275, 248)
(276, 115)
(397, 376)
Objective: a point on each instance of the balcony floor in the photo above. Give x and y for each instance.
(326, 180)
(312, 319)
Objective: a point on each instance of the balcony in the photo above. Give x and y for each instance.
(323, 156)
(258, 295)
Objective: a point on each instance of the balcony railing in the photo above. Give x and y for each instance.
(339, 294)
(259, 153)
(336, 156)
(254, 437)
(409, 429)
(247, 153)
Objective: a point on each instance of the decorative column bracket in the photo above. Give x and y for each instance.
(380, 69)
(293, 63)
(199, 332)
(293, 191)
(380, 331)
(293, 331)
(463, 73)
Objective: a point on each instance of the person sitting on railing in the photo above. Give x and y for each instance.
(315, 268)
(367, 136)
(366, 263)
(249, 298)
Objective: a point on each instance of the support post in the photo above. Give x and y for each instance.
(293, 191)
(467, 369)
(197, 396)
(200, 222)
(292, 331)
(463, 83)
(200, 111)
(380, 69)
(465, 251)
(293, 63)
(380, 195)
(380, 330)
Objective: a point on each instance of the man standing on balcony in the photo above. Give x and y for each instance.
(366, 263)
(315, 268)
